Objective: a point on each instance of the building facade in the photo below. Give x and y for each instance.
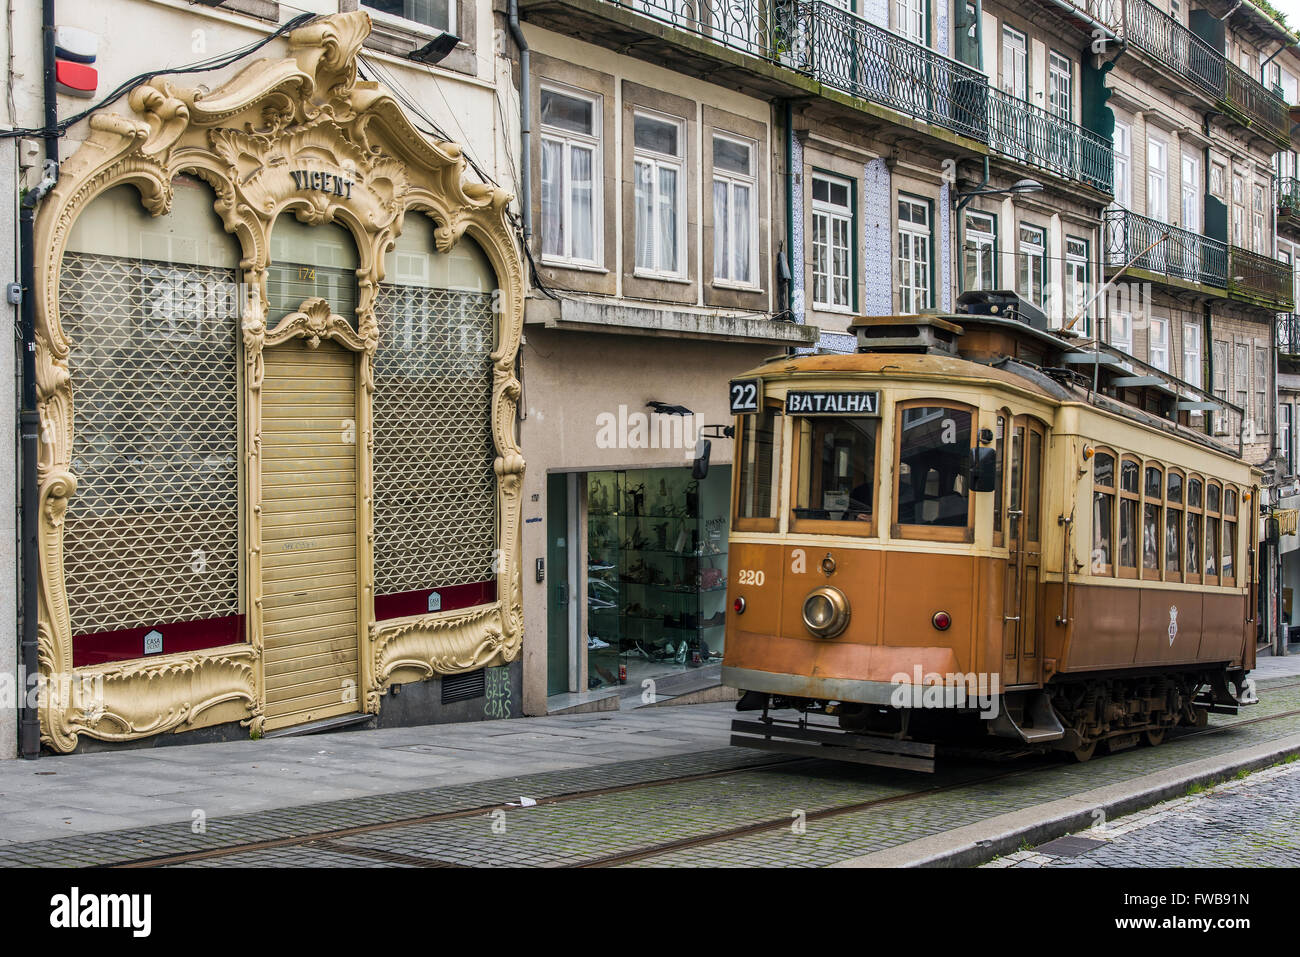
(277, 319)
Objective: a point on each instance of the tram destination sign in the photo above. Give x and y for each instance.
(746, 396)
(832, 403)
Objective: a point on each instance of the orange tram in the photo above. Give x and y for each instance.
(978, 530)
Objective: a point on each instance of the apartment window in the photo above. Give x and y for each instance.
(1192, 353)
(1220, 384)
(1284, 419)
(1261, 389)
(1176, 10)
(436, 14)
(1241, 375)
(1015, 63)
(1076, 283)
(1060, 77)
(571, 200)
(1158, 344)
(832, 229)
(1191, 194)
(913, 254)
(1157, 178)
(1217, 173)
(1121, 331)
(1257, 222)
(1033, 255)
(660, 195)
(979, 251)
(735, 220)
(1238, 199)
(1122, 141)
(910, 15)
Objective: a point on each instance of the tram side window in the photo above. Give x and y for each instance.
(1128, 512)
(759, 456)
(934, 467)
(1228, 561)
(1152, 496)
(1173, 525)
(1213, 500)
(1194, 500)
(1103, 510)
(837, 469)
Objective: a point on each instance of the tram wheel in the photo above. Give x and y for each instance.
(1084, 752)
(1200, 717)
(1154, 737)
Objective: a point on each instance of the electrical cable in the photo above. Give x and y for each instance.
(201, 66)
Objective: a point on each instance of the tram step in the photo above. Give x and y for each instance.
(1043, 724)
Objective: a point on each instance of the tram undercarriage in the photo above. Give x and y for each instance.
(1071, 715)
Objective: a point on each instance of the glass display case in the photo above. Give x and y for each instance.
(656, 572)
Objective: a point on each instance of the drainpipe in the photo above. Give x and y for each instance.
(50, 92)
(525, 125)
(30, 430)
(789, 206)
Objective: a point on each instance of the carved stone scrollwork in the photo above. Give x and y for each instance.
(301, 134)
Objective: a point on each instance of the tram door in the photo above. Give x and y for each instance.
(1020, 638)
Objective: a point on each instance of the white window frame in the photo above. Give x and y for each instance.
(1157, 176)
(1123, 145)
(1191, 193)
(1032, 251)
(913, 237)
(1260, 356)
(567, 139)
(656, 162)
(1060, 86)
(1014, 74)
(414, 26)
(732, 180)
(1158, 345)
(1257, 233)
(1076, 274)
(910, 17)
(1192, 353)
(985, 238)
(1238, 205)
(832, 213)
(1285, 417)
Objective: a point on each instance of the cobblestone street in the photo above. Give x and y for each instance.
(1252, 821)
(692, 804)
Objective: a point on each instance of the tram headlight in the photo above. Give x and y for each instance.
(826, 611)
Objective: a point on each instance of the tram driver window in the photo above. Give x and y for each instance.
(837, 469)
(934, 467)
(759, 458)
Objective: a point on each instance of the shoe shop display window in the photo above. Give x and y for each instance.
(656, 572)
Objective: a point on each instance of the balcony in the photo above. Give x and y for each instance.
(1261, 280)
(844, 51)
(1288, 202)
(1192, 261)
(1288, 336)
(1035, 137)
(1184, 258)
(1193, 61)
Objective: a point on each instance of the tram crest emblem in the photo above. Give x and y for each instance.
(1173, 623)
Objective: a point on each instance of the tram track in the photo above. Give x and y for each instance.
(327, 840)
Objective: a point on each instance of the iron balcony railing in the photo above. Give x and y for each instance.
(1164, 250)
(1156, 247)
(1288, 334)
(1288, 195)
(844, 51)
(1036, 137)
(1171, 43)
(1187, 55)
(1260, 279)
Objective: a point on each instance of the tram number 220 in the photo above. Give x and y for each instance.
(749, 577)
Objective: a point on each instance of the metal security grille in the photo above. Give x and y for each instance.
(435, 491)
(152, 535)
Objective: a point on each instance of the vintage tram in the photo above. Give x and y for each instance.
(975, 529)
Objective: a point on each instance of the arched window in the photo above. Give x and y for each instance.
(1103, 512)
(1213, 510)
(1129, 502)
(1174, 526)
(1152, 531)
(1195, 514)
(1228, 561)
(309, 261)
(435, 489)
(150, 306)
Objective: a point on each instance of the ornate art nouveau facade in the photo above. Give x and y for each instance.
(298, 637)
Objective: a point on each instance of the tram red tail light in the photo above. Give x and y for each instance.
(739, 605)
(941, 620)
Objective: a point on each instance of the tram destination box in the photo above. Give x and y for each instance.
(832, 403)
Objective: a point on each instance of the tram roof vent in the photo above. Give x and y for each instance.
(929, 335)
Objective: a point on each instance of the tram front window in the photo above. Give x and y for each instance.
(759, 465)
(934, 467)
(837, 469)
